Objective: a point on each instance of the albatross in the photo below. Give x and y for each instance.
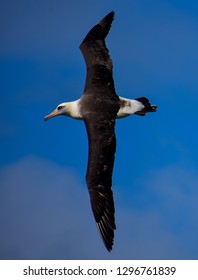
(98, 107)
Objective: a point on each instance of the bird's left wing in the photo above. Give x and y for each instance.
(96, 55)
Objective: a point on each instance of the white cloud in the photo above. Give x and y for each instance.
(45, 214)
(44, 211)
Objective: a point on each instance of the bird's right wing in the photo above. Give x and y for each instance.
(102, 146)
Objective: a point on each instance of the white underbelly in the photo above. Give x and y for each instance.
(130, 106)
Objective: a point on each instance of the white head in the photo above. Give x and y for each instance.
(61, 109)
(70, 109)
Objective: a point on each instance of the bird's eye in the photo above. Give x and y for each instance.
(60, 107)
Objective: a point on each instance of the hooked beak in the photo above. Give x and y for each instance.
(53, 114)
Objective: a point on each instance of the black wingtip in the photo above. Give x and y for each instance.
(109, 17)
(106, 22)
(100, 30)
(107, 234)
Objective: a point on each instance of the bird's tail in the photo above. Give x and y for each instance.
(147, 106)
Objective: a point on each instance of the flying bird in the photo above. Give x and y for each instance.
(98, 107)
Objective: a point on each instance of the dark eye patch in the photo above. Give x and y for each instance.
(60, 107)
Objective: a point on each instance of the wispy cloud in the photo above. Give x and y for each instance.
(45, 214)
(42, 205)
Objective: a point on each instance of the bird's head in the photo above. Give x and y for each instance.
(70, 109)
(61, 109)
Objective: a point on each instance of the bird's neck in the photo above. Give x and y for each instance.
(73, 109)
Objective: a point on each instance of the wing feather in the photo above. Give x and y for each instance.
(102, 147)
(96, 55)
(93, 47)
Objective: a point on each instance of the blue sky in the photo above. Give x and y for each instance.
(44, 203)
